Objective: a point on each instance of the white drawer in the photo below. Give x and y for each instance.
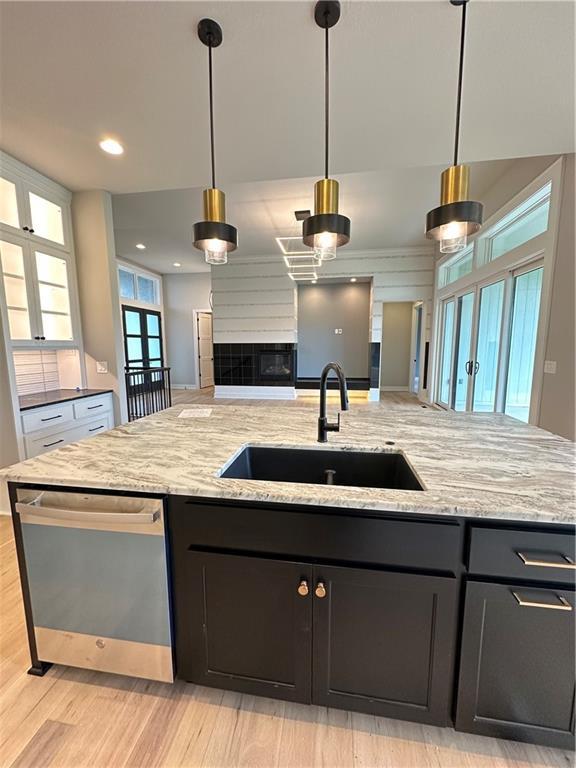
(92, 406)
(49, 442)
(50, 417)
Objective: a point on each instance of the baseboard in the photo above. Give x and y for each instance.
(184, 386)
(254, 393)
(394, 389)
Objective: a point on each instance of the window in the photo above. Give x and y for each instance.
(136, 286)
(127, 284)
(456, 267)
(525, 222)
(525, 313)
(142, 338)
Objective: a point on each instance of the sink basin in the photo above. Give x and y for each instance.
(364, 469)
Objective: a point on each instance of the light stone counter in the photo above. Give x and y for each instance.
(473, 465)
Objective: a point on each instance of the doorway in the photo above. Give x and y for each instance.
(487, 344)
(142, 337)
(204, 349)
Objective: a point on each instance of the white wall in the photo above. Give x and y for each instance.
(396, 345)
(255, 300)
(98, 290)
(183, 294)
(557, 410)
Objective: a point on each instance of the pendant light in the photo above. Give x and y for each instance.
(213, 236)
(456, 217)
(327, 229)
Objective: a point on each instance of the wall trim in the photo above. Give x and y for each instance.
(184, 386)
(254, 393)
(394, 389)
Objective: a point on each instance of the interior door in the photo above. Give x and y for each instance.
(205, 349)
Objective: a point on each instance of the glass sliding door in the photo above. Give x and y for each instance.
(447, 339)
(462, 361)
(488, 347)
(523, 334)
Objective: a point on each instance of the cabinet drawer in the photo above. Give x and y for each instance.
(306, 533)
(92, 406)
(526, 555)
(56, 439)
(45, 418)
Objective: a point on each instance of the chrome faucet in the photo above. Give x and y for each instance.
(324, 426)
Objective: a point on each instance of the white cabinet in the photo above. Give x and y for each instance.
(38, 293)
(53, 426)
(33, 206)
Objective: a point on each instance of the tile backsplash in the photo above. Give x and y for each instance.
(42, 370)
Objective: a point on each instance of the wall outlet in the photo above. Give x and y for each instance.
(101, 366)
(549, 366)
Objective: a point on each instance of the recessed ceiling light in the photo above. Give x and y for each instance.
(111, 146)
(353, 279)
(314, 282)
(141, 246)
(177, 264)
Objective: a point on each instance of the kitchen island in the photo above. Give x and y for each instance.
(451, 604)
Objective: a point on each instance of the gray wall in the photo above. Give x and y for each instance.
(396, 340)
(321, 309)
(557, 411)
(183, 294)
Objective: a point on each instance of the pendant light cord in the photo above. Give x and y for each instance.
(460, 77)
(326, 102)
(211, 117)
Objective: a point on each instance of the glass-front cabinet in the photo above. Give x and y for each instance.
(36, 283)
(32, 210)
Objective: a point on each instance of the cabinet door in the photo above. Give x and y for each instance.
(48, 217)
(517, 664)
(12, 218)
(17, 297)
(242, 625)
(384, 643)
(52, 280)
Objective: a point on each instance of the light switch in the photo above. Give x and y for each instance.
(101, 366)
(549, 366)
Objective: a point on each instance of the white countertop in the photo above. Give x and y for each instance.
(472, 465)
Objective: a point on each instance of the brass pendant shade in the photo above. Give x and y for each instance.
(213, 235)
(457, 217)
(327, 230)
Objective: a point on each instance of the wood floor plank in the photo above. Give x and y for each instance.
(40, 750)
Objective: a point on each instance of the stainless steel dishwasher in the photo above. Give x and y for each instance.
(97, 578)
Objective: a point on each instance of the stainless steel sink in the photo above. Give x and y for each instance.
(364, 469)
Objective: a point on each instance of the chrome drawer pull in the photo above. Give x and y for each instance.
(564, 605)
(568, 564)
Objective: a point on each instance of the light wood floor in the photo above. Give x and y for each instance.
(75, 719)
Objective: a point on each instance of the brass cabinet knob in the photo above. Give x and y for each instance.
(303, 588)
(320, 590)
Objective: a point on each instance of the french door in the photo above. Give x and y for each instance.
(488, 336)
(142, 337)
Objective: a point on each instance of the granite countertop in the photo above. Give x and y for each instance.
(472, 465)
(55, 396)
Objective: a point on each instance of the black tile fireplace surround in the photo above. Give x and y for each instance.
(255, 365)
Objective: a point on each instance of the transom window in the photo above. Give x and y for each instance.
(136, 286)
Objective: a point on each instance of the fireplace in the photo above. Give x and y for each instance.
(275, 365)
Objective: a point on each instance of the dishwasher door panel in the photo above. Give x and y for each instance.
(98, 592)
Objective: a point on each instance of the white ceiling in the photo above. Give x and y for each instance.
(387, 209)
(73, 72)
